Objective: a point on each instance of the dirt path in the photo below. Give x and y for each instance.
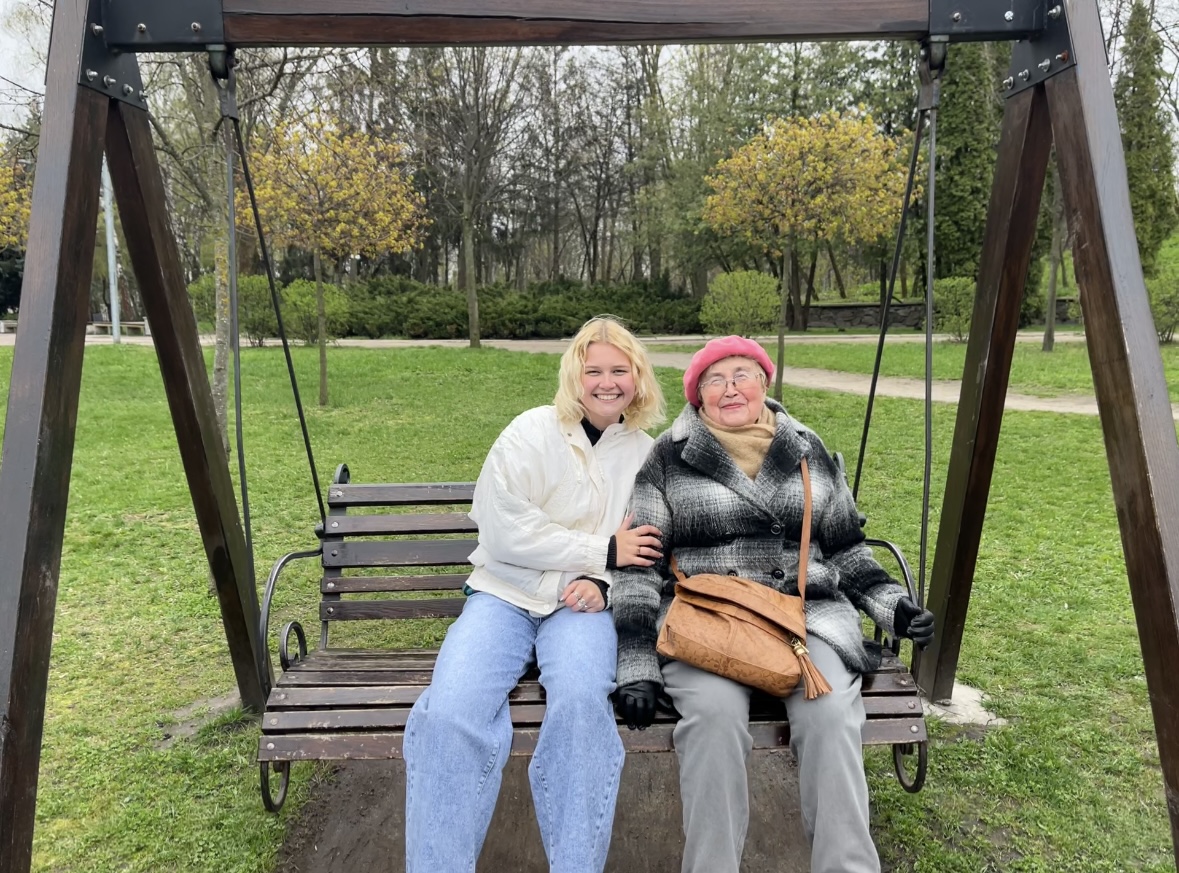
(819, 380)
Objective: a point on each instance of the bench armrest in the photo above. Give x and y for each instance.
(271, 584)
(906, 575)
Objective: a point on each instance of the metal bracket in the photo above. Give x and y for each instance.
(163, 25)
(929, 70)
(221, 64)
(1034, 60)
(987, 20)
(107, 70)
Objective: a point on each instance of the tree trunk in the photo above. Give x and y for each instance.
(835, 269)
(699, 281)
(469, 277)
(221, 333)
(787, 257)
(321, 312)
(810, 290)
(797, 321)
(1054, 261)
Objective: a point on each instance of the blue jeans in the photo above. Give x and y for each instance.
(459, 734)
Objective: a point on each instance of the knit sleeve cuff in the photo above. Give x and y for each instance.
(612, 554)
(603, 587)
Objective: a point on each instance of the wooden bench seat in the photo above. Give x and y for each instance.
(130, 328)
(352, 703)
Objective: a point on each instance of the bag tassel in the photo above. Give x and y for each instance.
(816, 685)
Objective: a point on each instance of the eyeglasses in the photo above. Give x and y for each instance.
(741, 381)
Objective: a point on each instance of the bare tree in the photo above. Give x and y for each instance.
(466, 107)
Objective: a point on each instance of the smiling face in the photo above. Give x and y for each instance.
(741, 397)
(607, 384)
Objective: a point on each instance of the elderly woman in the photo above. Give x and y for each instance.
(550, 503)
(724, 486)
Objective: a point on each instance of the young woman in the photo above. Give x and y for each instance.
(550, 503)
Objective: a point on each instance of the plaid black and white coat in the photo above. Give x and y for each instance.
(715, 519)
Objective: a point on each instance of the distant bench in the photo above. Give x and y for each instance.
(130, 328)
(351, 704)
(7, 326)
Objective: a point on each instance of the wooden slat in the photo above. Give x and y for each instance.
(336, 659)
(376, 720)
(888, 683)
(1024, 144)
(379, 584)
(372, 695)
(151, 245)
(408, 494)
(887, 731)
(657, 738)
(406, 523)
(38, 448)
(399, 553)
(461, 22)
(359, 677)
(363, 610)
(1128, 374)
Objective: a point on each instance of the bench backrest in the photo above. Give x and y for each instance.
(408, 547)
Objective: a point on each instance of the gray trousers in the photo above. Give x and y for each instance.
(712, 742)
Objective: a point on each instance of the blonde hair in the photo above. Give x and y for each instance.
(646, 409)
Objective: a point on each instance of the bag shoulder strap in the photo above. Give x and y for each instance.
(804, 547)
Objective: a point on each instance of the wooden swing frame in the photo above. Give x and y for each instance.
(1058, 92)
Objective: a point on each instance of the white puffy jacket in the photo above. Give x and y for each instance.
(547, 503)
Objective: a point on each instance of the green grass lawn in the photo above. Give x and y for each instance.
(1065, 370)
(1072, 783)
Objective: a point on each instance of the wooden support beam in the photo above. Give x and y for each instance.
(42, 414)
(1024, 145)
(139, 190)
(522, 22)
(1127, 368)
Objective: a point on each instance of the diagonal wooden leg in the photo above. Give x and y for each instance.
(1024, 146)
(1128, 376)
(42, 413)
(139, 189)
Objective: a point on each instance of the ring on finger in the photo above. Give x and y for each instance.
(581, 601)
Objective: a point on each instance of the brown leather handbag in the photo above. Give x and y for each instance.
(742, 630)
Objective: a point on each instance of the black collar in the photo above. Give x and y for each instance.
(592, 432)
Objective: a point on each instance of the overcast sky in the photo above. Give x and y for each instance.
(17, 60)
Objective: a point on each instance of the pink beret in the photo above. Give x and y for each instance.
(716, 349)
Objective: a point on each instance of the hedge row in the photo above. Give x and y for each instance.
(396, 306)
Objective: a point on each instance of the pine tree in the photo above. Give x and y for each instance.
(1146, 139)
(969, 119)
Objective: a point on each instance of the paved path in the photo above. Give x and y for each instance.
(801, 377)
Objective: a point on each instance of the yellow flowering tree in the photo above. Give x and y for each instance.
(806, 182)
(335, 193)
(14, 204)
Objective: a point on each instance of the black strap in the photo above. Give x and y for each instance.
(933, 57)
(228, 93)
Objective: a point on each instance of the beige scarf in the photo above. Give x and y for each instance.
(747, 444)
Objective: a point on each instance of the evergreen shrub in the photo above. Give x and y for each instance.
(745, 302)
(953, 303)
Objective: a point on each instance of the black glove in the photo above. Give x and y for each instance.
(911, 621)
(636, 703)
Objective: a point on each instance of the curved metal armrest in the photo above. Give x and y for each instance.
(906, 575)
(271, 583)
